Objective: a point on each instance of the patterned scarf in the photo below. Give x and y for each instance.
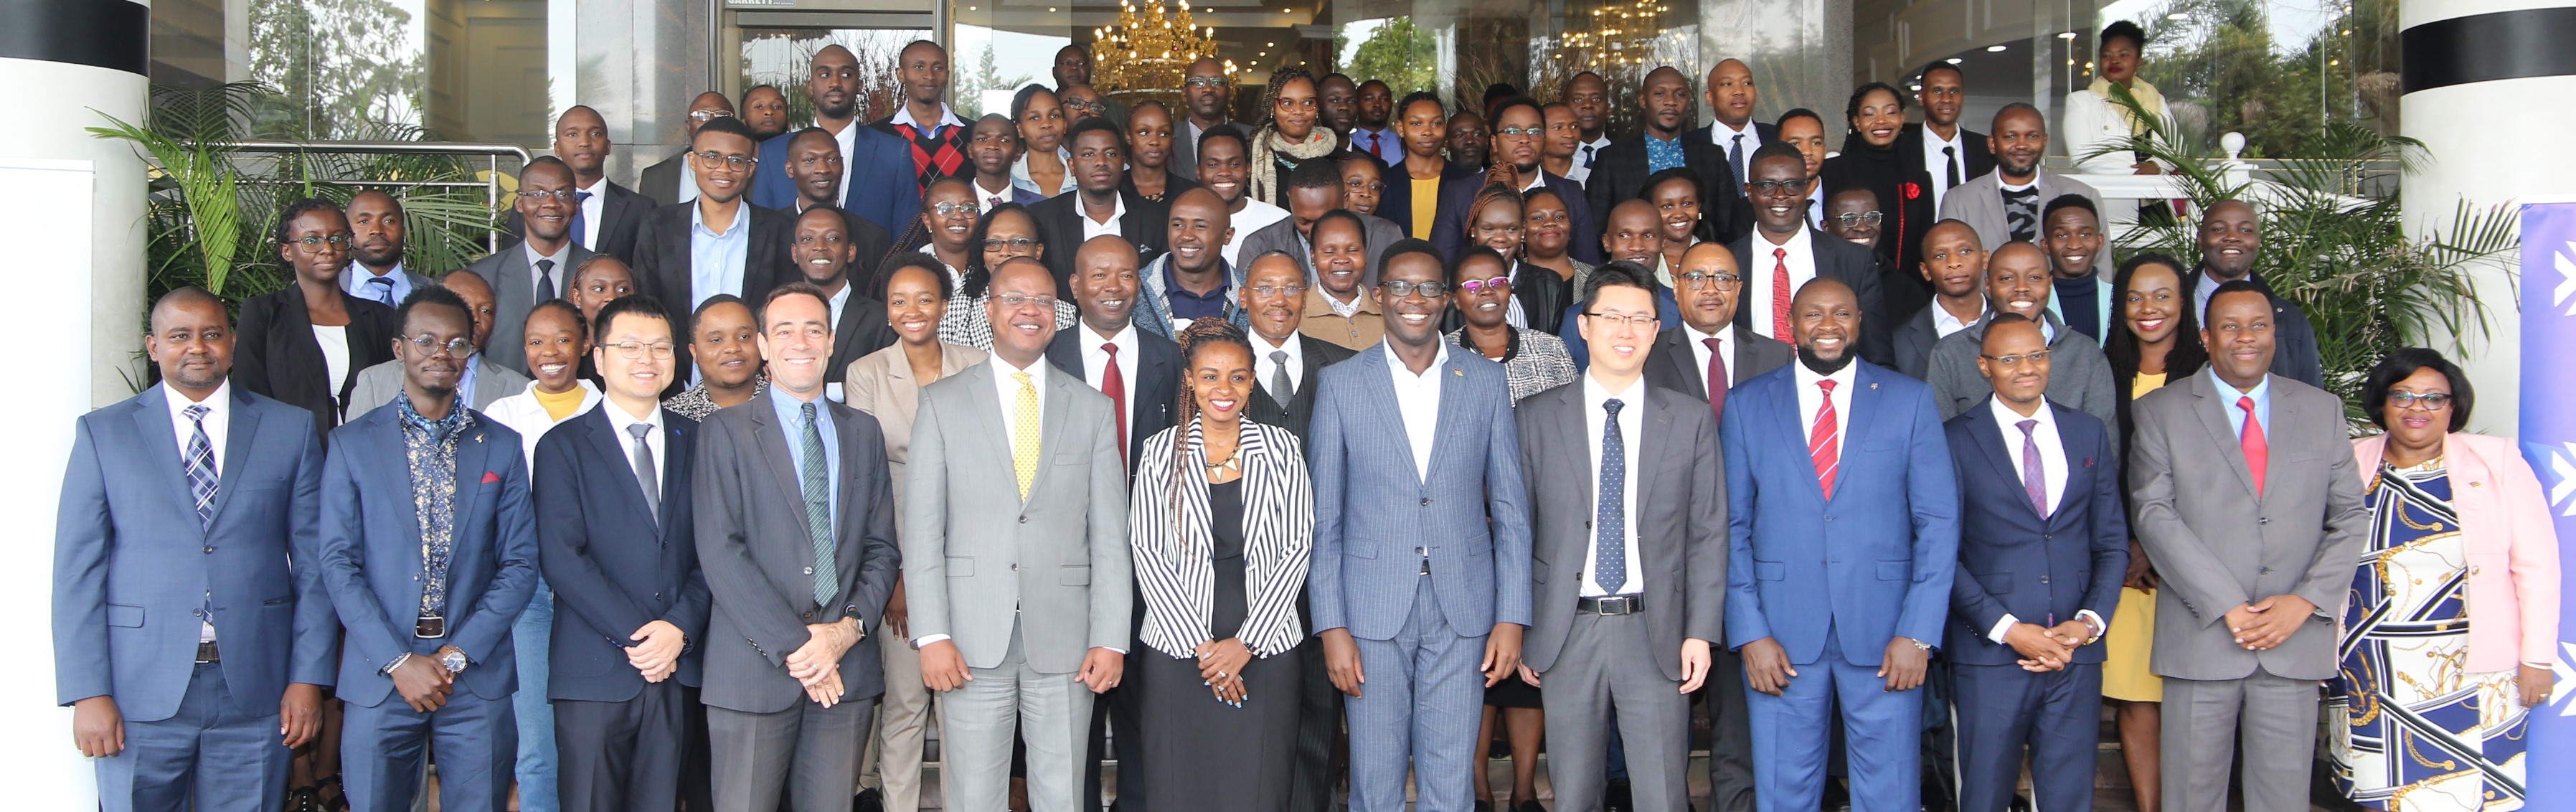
(1271, 148)
(429, 447)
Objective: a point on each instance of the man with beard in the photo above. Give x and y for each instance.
(1846, 532)
(1783, 253)
(1469, 145)
(1519, 127)
(1205, 90)
(2230, 236)
(1370, 133)
(937, 135)
(1339, 100)
(606, 218)
(376, 251)
(816, 170)
(878, 181)
(541, 266)
(2004, 205)
(825, 255)
(1620, 172)
(674, 180)
(1194, 280)
(1100, 206)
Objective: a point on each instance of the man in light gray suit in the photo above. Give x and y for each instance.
(1015, 521)
(1311, 194)
(1421, 578)
(2018, 281)
(794, 515)
(2245, 493)
(485, 381)
(540, 267)
(1629, 577)
(2005, 205)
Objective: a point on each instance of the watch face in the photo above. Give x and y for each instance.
(453, 662)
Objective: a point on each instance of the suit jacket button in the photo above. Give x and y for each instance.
(2263, 520)
(1015, 568)
(809, 570)
(1829, 517)
(2043, 579)
(1024, 520)
(1426, 500)
(2264, 571)
(210, 548)
(809, 615)
(657, 596)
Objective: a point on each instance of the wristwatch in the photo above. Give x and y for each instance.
(453, 661)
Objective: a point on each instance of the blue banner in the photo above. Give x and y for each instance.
(2549, 441)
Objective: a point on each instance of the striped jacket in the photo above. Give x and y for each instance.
(1172, 542)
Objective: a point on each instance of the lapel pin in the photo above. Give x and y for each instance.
(1873, 386)
(478, 437)
(1458, 372)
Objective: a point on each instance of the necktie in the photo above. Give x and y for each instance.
(1951, 154)
(580, 223)
(200, 465)
(1115, 386)
(1282, 387)
(818, 509)
(642, 455)
(1821, 445)
(546, 281)
(1587, 156)
(381, 289)
(1718, 379)
(1024, 434)
(1735, 156)
(2258, 449)
(2034, 477)
(995, 201)
(1780, 294)
(1610, 509)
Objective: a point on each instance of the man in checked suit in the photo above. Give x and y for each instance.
(183, 665)
(1629, 572)
(1420, 584)
(795, 532)
(1021, 613)
(2247, 498)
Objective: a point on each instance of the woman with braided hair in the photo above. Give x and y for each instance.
(1222, 521)
(1288, 136)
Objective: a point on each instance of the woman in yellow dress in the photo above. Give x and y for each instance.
(2158, 340)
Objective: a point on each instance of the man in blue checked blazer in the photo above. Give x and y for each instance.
(1419, 597)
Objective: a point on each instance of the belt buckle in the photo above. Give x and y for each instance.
(430, 628)
(1616, 605)
(208, 653)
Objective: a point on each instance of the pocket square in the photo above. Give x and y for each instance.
(2088, 462)
(491, 477)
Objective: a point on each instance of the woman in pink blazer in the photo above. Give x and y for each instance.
(2460, 533)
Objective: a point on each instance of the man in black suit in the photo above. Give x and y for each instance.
(2231, 234)
(1205, 90)
(615, 539)
(814, 166)
(610, 219)
(1731, 96)
(1619, 172)
(1954, 265)
(1098, 207)
(824, 256)
(674, 180)
(1519, 127)
(1938, 147)
(718, 243)
(1792, 253)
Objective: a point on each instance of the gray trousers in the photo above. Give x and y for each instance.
(2204, 721)
(1607, 670)
(210, 755)
(980, 720)
(807, 753)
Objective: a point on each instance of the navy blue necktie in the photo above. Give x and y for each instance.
(580, 222)
(1610, 546)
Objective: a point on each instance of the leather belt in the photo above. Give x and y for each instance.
(207, 653)
(1611, 605)
(430, 628)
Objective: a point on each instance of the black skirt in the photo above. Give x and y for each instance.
(1204, 754)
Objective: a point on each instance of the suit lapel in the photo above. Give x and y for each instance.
(2212, 411)
(1989, 433)
(2077, 465)
(473, 450)
(679, 446)
(161, 438)
(853, 515)
(607, 448)
(242, 432)
(1059, 397)
(773, 446)
(1380, 379)
(1676, 351)
(1571, 432)
(1452, 414)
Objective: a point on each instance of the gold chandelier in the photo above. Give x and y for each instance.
(1621, 36)
(1148, 52)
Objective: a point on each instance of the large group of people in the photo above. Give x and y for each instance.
(1419, 433)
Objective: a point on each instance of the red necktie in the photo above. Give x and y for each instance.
(2258, 452)
(1820, 441)
(1780, 294)
(1717, 378)
(1115, 386)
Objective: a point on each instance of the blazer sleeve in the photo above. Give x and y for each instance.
(925, 526)
(1324, 457)
(1583, 226)
(2346, 524)
(1274, 611)
(1932, 495)
(1113, 574)
(717, 502)
(2533, 552)
(251, 347)
(1745, 622)
(2182, 558)
(880, 560)
(1969, 600)
(1706, 553)
(2110, 541)
(514, 579)
(315, 653)
(84, 533)
(1507, 502)
(370, 633)
(565, 551)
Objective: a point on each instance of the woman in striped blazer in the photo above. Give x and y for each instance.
(1222, 521)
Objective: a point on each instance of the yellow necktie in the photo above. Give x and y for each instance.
(1024, 434)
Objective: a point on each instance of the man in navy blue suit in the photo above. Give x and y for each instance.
(615, 541)
(2044, 544)
(429, 551)
(1845, 535)
(880, 185)
(191, 636)
(1519, 127)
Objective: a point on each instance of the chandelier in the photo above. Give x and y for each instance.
(1148, 52)
(1621, 36)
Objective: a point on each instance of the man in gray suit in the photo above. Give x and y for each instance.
(1312, 193)
(2005, 205)
(2018, 281)
(2245, 494)
(484, 381)
(1629, 577)
(540, 267)
(1020, 613)
(1421, 578)
(794, 516)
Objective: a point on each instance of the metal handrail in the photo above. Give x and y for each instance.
(491, 151)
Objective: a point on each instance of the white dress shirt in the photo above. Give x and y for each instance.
(1263, 368)
(848, 138)
(560, 274)
(688, 180)
(1939, 165)
(986, 199)
(1117, 209)
(525, 415)
(618, 420)
(2052, 467)
(1584, 155)
(1699, 355)
(1724, 137)
(355, 278)
(947, 117)
(1943, 323)
(1095, 367)
(1253, 217)
(334, 341)
(218, 422)
(1632, 420)
(1417, 400)
(595, 209)
(836, 303)
(1811, 397)
(1757, 275)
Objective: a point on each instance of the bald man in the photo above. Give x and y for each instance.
(606, 218)
(672, 180)
(878, 182)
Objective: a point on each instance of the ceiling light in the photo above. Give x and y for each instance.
(2066, 35)
(1270, 45)
(1954, 60)
(2177, 16)
(1995, 49)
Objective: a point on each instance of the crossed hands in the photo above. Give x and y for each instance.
(657, 653)
(817, 664)
(2267, 623)
(2047, 648)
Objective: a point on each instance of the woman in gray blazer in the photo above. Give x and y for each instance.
(1222, 522)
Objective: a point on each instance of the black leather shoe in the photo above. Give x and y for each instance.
(1616, 798)
(869, 800)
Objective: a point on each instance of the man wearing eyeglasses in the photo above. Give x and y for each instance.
(2018, 281)
(1520, 127)
(719, 244)
(1206, 90)
(484, 380)
(674, 180)
(429, 553)
(1783, 253)
(540, 267)
(879, 180)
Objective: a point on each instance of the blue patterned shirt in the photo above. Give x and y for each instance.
(429, 447)
(1662, 154)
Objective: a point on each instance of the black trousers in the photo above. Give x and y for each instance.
(616, 756)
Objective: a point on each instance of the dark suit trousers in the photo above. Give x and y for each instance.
(1117, 713)
(209, 751)
(2000, 709)
(616, 756)
(806, 753)
(1319, 723)
(382, 752)
(1730, 739)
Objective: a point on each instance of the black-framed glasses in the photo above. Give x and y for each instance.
(2428, 401)
(2034, 356)
(632, 350)
(738, 163)
(1636, 320)
(1720, 280)
(427, 344)
(1854, 218)
(1775, 186)
(315, 241)
(1400, 289)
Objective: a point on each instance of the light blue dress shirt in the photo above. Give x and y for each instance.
(2227, 395)
(354, 280)
(791, 420)
(716, 260)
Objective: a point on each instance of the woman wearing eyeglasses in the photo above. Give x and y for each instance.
(304, 344)
(2431, 711)
(1289, 138)
(1480, 287)
(1005, 232)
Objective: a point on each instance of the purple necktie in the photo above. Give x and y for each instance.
(1717, 378)
(2034, 477)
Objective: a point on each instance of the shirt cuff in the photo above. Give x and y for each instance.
(925, 640)
(1121, 652)
(1997, 633)
(2100, 627)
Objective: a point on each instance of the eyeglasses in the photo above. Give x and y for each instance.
(1016, 301)
(427, 344)
(1429, 290)
(1015, 243)
(1711, 279)
(1776, 186)
(1277, 290)
(631, 350)
(1854, 218)
(1086, 104)
(315, 242)
(2428, 401)
(704, 116)
(736, 163)
(1637, 320)
(542, 195)
(1499, 283)
(1205, 81)
(2034, 356)
(953, 208)
(1520, 132)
